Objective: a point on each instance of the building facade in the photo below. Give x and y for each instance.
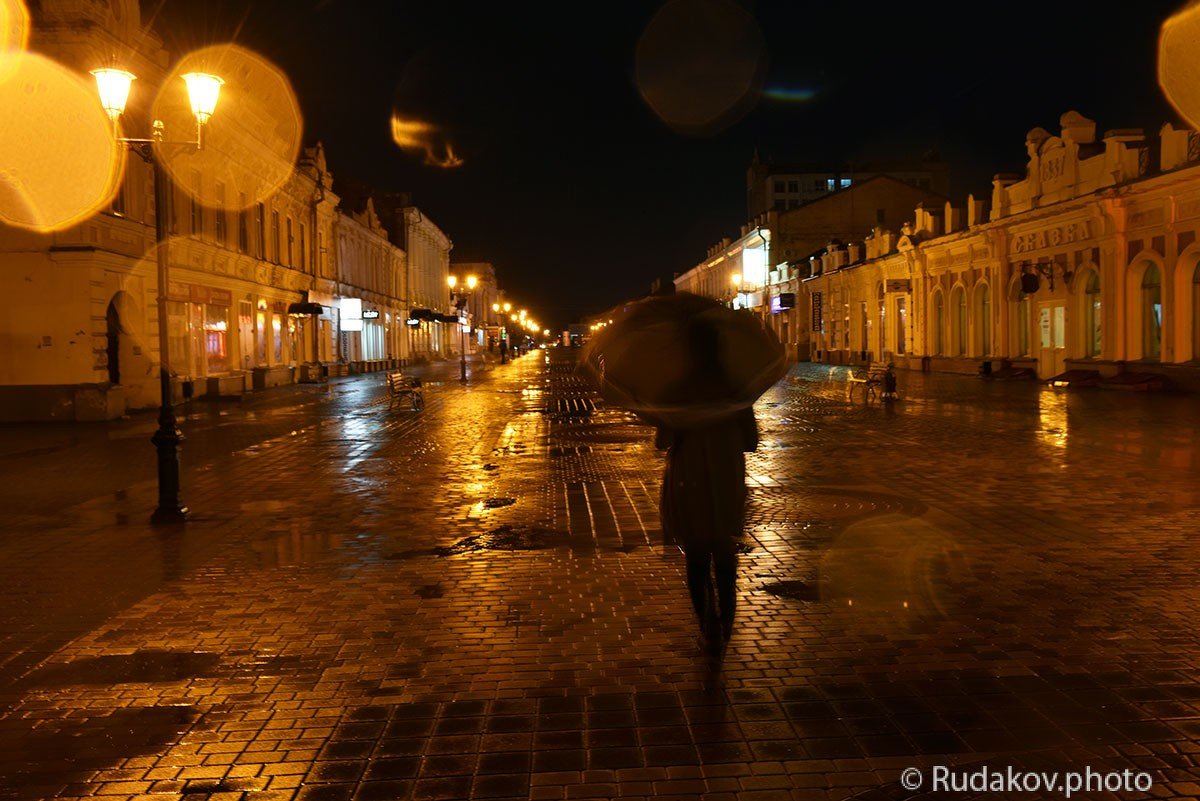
(370, 292)
(1085, 270)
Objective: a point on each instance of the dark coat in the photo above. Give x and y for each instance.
(704, 484)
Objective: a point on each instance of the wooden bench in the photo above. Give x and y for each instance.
(405, 387)
(879, 380)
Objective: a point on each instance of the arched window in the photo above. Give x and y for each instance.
(1152, 313)
(959, 299)
(939, 325)
(984, 320)
(1196, 313)
(1092, 325)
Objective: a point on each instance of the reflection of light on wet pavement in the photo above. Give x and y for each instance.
(1052, 418)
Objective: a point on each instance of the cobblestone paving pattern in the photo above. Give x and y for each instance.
(474, 602)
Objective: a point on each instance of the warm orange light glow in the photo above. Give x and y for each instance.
(507, 308)
(1179, 63)
(251, 142)
(113, 85)
(736, 279)
(471, 281)
(452, 281)
(203, 91)
(14, 27)
(59, 159)
(495, 307)
(415, 135)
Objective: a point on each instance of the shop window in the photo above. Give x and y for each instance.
(177, 336)
(881, 298)
(1092, 326)
(277, 338)
(864, 327)
(1152, 312)
(216, 338)
(901, 325)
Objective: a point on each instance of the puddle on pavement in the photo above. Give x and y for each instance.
(496, 503)
(794, 590)
(504, 538)
(429, 591)
(139, 666)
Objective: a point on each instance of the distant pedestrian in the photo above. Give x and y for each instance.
(503, 351)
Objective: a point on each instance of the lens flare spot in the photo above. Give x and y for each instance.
(790, 94)
(415, 135)
(1179, 63)
(252, 139)
(59, 159)
(700, 65)
(14, 25)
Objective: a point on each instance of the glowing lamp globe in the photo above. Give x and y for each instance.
(203, 90)
(113, 85)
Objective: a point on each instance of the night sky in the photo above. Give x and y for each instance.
(581, 194)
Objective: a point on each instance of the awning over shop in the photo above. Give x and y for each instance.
(421, 314)
(446, 318)
(305, 308)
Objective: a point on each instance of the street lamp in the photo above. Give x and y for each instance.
(460, 302)
(203, 90)
(736, 281)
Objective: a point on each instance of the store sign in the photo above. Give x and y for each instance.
(899, 285)
(1051, 237)
(370, 314)
(351, 314)
(783, 302)
(816, 311)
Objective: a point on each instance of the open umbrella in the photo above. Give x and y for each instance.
(683, 360)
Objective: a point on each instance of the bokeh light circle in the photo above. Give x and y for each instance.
(251, 142)
(700, 65)
(59, 159)
(1179, 63)
(14, 25)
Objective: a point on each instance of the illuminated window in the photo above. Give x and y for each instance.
(844, 183)
(216, 337)
(830, 184)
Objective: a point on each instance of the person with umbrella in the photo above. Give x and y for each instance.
(693, 368)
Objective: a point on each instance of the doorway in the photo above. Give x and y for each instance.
(113, 331)
(1052, 329)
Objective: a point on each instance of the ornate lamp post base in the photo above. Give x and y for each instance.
(170, 511)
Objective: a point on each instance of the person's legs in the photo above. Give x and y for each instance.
(725, 561)
(698, 561)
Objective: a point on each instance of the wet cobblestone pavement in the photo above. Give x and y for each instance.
(473, 601)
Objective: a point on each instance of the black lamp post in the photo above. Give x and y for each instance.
(460, 302)
(203, 91)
